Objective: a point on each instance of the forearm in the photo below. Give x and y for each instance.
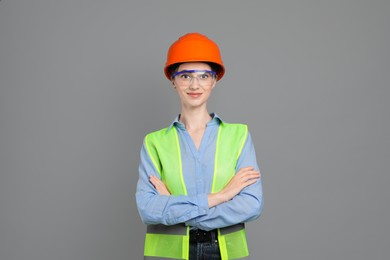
(244, 207)
(170, 210)
(215, 199)
(154, 208)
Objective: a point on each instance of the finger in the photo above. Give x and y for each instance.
(252, 173)
(247, 168)
(253, 176)
(250, 182)
(249, 173)
(243, 172)
(154, 179)
(158, 184)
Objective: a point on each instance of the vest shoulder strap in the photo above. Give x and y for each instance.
(164, 150)
(230, 142)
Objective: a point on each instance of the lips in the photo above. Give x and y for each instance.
(194, 95)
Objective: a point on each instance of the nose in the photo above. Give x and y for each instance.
(194, 85)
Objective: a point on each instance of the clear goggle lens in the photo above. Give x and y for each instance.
(185, 77)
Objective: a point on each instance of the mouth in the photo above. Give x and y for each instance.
(194, 95)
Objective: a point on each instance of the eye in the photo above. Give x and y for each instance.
(204, 76)
(185, 76)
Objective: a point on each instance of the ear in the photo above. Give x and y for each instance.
(173, 84)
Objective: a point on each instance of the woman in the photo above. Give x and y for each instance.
(199, 181)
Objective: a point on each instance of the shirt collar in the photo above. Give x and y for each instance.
(215, 120)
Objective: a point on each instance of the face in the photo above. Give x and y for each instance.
(197, 92)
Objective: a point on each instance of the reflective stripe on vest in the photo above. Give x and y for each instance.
(163, 147)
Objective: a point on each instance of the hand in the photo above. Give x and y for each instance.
(159, 185)
(243, 178)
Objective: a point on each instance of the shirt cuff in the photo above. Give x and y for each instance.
(203, 204)
(203, 209)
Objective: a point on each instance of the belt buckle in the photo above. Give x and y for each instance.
(202, 236)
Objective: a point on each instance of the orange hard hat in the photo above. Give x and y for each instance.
(194, 47)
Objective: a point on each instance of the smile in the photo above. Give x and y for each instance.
(194, 95)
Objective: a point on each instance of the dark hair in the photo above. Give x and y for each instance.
(173, 68)
(214, 67)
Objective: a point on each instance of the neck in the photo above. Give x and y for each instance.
(193, 120)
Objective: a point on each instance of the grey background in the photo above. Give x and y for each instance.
(81, 83)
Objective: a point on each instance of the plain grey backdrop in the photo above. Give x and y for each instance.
(81, 83)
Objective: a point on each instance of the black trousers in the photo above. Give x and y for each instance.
(204, 245)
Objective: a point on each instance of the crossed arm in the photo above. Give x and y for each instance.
(243, 178)
(241, 200)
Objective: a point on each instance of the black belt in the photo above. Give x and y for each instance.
(201, 236)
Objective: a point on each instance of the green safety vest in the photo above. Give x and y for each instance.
(163, 147)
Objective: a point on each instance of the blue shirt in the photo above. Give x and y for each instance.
(198, 169)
